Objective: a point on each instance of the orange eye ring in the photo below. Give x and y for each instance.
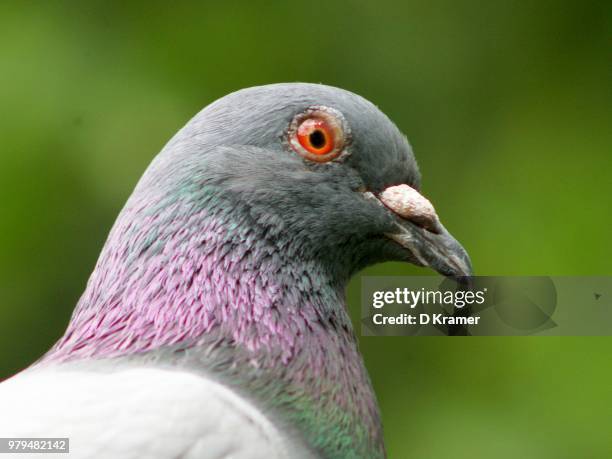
(318, 134)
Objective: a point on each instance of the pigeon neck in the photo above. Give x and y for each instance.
(176, 278)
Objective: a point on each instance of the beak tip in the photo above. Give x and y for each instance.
(456, 265)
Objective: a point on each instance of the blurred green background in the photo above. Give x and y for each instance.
(507, 105)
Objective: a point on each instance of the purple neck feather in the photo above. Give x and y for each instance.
(165, 284)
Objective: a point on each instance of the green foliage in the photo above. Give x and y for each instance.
(507, 105)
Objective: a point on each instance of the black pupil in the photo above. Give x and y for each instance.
(317, 139)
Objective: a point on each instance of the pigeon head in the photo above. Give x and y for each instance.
(232, 256)
(318, 167)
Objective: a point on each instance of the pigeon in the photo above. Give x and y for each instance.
(215, 323)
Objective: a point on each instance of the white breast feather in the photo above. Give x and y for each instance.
(138, 413)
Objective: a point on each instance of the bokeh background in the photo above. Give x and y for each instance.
(507, 105)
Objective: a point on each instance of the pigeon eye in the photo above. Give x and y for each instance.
(318, 134)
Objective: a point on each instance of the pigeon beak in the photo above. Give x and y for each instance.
(419, 230)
